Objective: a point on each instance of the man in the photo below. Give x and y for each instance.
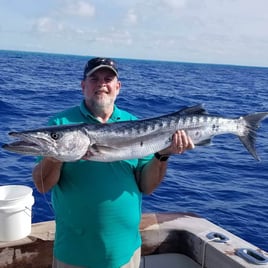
(98, 205)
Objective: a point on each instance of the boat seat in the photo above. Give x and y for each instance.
(170, 260)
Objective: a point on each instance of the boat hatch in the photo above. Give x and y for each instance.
(170, 260)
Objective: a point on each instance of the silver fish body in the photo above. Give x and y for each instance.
(133, 139)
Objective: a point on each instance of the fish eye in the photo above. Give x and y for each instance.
(55, 135)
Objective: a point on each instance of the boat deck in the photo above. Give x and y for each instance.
(176, 240)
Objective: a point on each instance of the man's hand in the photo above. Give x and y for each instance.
(180, 143)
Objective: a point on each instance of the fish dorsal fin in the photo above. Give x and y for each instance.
(197, 109)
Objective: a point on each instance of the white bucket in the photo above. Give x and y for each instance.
(15, 212)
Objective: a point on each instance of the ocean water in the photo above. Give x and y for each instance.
(220, 182)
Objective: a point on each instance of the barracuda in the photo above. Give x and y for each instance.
(133, 139)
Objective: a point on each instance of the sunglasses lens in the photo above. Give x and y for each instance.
(94, 63)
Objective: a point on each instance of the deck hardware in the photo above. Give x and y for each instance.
(252, 256)
(213, 237)
(217, 237)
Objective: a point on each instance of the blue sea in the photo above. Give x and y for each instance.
(221, 182)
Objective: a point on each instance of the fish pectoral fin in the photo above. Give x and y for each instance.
(204, 142)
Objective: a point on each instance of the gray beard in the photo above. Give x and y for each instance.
(100, 107)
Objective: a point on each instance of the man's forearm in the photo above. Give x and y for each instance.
(152, 175)
(46, 174)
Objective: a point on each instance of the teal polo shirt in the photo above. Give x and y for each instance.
(97, 205)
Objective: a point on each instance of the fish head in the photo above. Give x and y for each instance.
(61, 142)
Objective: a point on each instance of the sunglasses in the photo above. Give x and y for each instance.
(96, 62)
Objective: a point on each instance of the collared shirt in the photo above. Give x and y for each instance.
(116, 116)
(97, 204)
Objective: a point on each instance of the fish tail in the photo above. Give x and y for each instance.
(249, 138)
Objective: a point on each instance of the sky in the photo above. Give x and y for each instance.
(201, 31)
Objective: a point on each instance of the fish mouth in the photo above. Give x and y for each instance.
(26, 144)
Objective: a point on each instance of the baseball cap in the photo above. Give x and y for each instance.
(98, 63)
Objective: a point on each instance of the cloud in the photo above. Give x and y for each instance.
(47, 25)
(131, 17)
(116, 37)
(173, 4)
(79, 8)
(64, 20)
